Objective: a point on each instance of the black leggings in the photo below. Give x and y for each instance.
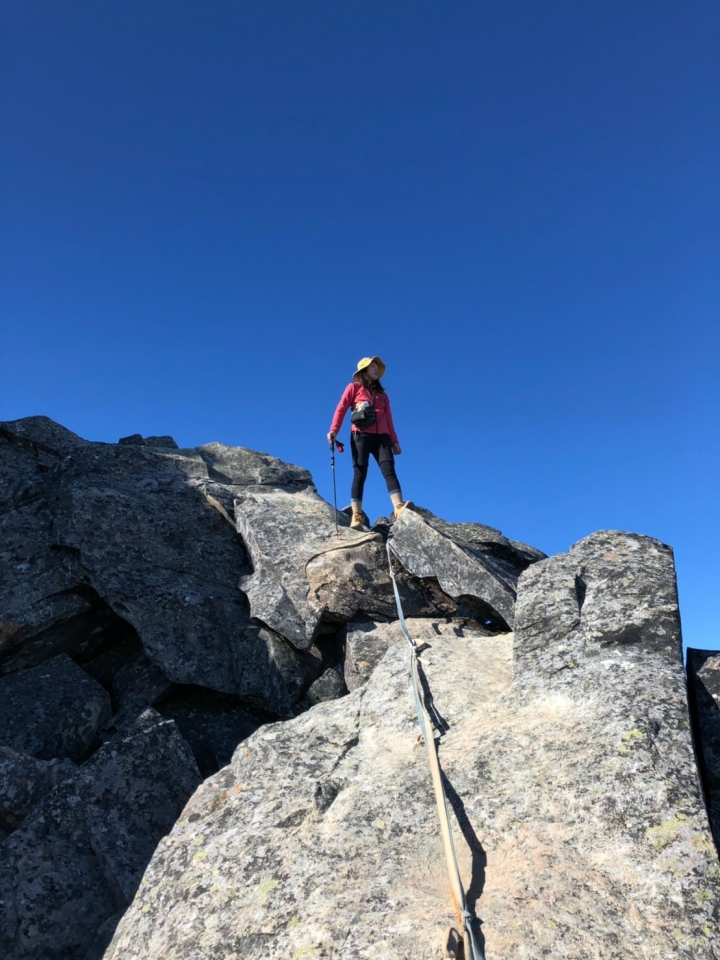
(380, 446)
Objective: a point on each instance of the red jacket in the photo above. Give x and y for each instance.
(355, 393)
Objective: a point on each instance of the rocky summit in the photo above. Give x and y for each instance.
(209, 746)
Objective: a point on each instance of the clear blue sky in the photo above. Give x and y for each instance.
(210, 211)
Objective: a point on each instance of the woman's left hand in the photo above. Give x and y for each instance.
(396, 449)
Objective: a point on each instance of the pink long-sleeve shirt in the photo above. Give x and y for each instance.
(356, 393)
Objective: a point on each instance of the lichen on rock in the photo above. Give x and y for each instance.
(579, 819)
(209, 582)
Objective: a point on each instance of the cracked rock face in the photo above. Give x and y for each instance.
(78, 858)
(610, 590)
(303, 574)
(168, 563)
(704, 695)
(52, 711)
(40, 614)
(367, 642)
(24, 781)
(320, 834)
(578, 816)
(133, 525)
(125, 584)
(470, 561)
(210, 582)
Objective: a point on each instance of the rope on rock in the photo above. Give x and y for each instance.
(220, 509)
(464, 916)
(356, 541)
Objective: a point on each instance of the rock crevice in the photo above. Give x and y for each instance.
(208, 745)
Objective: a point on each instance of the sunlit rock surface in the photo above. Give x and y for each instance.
(303, 573)
(471, 562)
(580, 823)
(132, 526)
(322, 833)
(209, 583)
(367, 641)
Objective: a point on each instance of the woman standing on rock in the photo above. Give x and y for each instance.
(372, 432)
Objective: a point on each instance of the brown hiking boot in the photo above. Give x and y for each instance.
(402, 506)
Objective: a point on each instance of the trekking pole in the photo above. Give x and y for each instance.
(333, 444)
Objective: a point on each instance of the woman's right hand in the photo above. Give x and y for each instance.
(331, 437)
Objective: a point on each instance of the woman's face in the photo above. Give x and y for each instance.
(372, 371)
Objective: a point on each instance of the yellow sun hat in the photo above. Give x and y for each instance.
(366, 361)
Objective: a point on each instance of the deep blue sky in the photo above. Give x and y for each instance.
(210, 211)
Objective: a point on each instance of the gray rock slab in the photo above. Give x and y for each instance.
(24, 781)
(40, 615)
(52, 710)
(250, 468)
(42, 434)
(22, 474)
(79, 857)
(469, 560)
(611, 589)
(329, 686)
(347, 863)
(484, 541)
(135, 687)
(135, 526)
(303, 573)
(283, 532)
(164, 441)
(159, 555)
(47, 604)
(367, 642)
(212, 723)
(703, 670)
(577, 812)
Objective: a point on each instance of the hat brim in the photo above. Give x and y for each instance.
(366, 361)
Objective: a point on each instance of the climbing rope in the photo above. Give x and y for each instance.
(464, 916)
(357, 539)
(216, 505)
